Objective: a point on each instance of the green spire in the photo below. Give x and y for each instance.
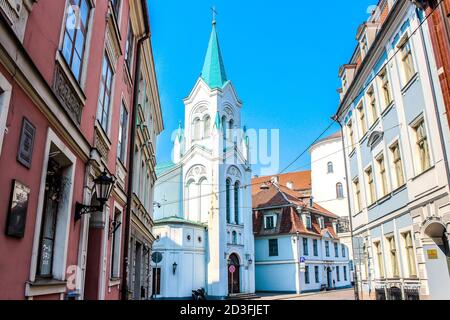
(213, 72)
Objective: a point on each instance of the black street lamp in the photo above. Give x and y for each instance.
(103, 188)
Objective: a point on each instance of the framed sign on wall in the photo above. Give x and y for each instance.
(25, 152)
(18, 206)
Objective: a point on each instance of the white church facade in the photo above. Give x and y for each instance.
(203, 215)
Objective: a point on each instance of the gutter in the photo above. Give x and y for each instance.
(125, 264)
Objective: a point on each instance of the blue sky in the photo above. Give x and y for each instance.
(282, 57)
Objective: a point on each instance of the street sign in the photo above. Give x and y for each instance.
(302, 259)
(232, 269)
(157, 257)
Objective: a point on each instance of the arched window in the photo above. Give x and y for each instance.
(224, 132)
(192, 205)
(230, 129)
(234, 237)
(196, 129)
(205, 200)
(236, 202)
(224, 124)
(339, 191)
(330, 167)
(228, 200)
(206, 127)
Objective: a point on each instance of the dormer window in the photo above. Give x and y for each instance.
(321, 223)
(290, 185)
(306, 217)
(270, 221)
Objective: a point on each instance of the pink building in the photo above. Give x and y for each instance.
(67, 75)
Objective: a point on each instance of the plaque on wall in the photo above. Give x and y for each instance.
(25, 152)
(18, 205)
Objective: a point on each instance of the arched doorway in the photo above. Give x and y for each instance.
(234, 283)
(437, 232)
(437, 257)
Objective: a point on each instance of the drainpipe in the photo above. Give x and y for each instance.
(335, 119)
(146, 36)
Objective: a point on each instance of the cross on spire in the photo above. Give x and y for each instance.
(214, 14)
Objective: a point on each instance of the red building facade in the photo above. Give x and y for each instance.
(67, 74)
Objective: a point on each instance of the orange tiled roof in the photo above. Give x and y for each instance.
(301, 181)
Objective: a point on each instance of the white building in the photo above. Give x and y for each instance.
(297, 248)
(328, 175)
(329, 185)
(391, 114)
(203, 216)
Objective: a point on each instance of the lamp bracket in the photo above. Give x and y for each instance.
(81, 209)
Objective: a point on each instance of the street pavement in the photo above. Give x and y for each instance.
(345, 294)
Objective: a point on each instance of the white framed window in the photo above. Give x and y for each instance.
(105, 94)
(357, 195)
(74, 39)
(370, 181)
(129, 48)
(351, 136)
(380, 260)
(330, 168)
(397, 164)
(409, 253)
(5, 98)
(362, 119)
(393, 257)
(307, 221)
(116, 236)
(321, 223)
(123, 134)
(372, 103)
(206, 126)
(382, 175)
(339, 191)
(406, 60)
(270, 221)
(422, 150)
(385, 87)
(196, 129)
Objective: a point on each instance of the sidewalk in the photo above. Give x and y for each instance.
(340, 294)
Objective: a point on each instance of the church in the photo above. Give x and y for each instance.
(203, 215)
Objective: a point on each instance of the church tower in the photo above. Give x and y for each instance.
(211, 152)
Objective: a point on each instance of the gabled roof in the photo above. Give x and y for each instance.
(289, 222)
(276, 196)
(213, 72)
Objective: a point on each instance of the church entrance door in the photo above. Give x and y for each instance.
(234, 285)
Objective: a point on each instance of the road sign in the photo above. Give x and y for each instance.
(157, 257)
(232, 269)
(302, 259)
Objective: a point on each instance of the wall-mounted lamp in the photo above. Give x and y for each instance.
(103, 188)
(250, 261)
(174, 267)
